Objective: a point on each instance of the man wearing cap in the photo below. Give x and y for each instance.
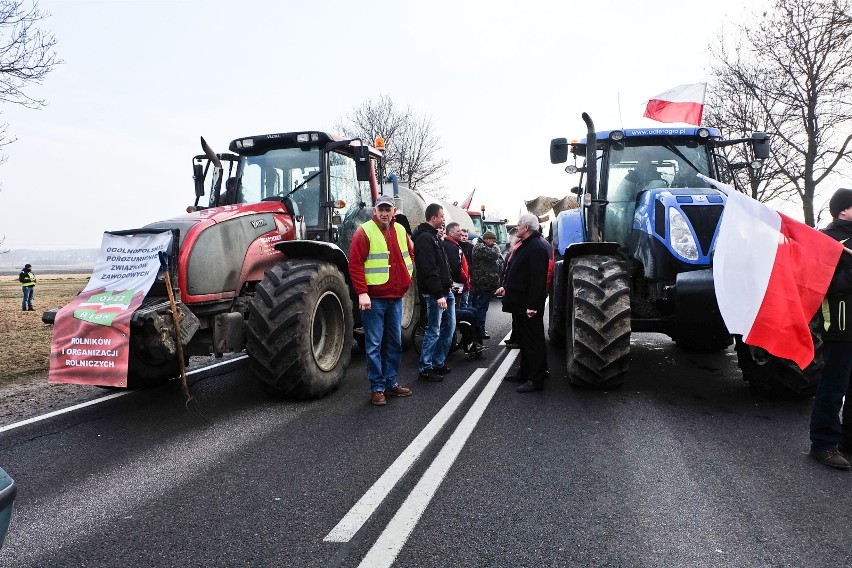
(28, 282)
(485, 277)
(381, 263)
(831, 439)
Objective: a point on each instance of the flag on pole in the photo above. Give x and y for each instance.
(467, 200)
(684, 103)
(770, 273)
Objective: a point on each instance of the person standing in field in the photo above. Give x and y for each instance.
(28, 283)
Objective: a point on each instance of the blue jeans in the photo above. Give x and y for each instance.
(481, 301)
(383, 342)
(826, 429)
(465, 300)
(438, 336)
(27, 303)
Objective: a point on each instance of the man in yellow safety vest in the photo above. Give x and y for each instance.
(381, 263)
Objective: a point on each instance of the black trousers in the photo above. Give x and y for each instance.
(529, 333)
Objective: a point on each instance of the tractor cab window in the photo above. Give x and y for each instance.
(279, 173)
(633, 169)
(355, 195)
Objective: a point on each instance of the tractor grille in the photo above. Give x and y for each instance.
(704, 219)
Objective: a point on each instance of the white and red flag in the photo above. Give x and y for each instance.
(467, 200)
(771, 273)
(684, 103)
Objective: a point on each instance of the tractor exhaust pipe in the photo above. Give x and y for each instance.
(595, 216)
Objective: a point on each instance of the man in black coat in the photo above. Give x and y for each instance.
(434, 282)
(831, 439)
(524, 292)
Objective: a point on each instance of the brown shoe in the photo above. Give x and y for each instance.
(831, 458)
(378, 399)
(398, 391)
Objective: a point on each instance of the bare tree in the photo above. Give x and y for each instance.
(412, 147)
(26, 56)
(788, 69)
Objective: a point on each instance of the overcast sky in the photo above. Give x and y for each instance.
(142, 80)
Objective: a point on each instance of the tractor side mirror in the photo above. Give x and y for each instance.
(558, 150)
(760, 145)
(362, 163)
(198, 176)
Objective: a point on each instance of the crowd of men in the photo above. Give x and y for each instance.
(456, 280)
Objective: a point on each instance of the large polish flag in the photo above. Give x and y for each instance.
(771, 273)
(684, 103)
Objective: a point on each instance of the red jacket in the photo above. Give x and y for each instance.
(398, 282)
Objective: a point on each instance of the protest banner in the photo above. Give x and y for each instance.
(91, 337)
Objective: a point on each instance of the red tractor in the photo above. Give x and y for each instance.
(263, 265)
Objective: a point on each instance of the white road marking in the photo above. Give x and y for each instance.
(352, 522)
(35, 419)
(395, 535)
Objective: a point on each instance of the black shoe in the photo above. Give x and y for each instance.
(530, 386)
(512, 344)
(442, 370)
(831, 458)
(429, 375)
(484, 335)
(515, 378)
(30, 309)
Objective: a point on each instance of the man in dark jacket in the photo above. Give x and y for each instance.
(524, 292)
(828, 436)
(460, 273)
(433, 279)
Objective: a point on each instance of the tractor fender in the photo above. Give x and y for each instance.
(585, 249)
(569, 230)
(319, 250)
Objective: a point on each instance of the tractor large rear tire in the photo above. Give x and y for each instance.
(774, 377)
(597, 346)
(299, 339)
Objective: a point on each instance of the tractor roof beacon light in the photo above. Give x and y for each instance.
(380, 143)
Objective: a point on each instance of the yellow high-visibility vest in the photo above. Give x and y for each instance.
(377, 265)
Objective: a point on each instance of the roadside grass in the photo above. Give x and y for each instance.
(24, 339)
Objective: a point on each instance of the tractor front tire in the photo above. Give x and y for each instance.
(597, 334)
(300, 325)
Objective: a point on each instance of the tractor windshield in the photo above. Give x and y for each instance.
(276, 173)
(634, 168)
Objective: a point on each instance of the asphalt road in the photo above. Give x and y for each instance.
(681, 467)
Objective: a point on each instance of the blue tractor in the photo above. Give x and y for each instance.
(637, 253)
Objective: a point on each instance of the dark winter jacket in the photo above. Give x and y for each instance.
(430, 262)
(485, 270)
(525, 281)
(459, 270)
(837, 327)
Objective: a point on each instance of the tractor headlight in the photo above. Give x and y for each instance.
(680, 236)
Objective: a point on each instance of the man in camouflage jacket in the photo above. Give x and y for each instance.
(485, 276)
